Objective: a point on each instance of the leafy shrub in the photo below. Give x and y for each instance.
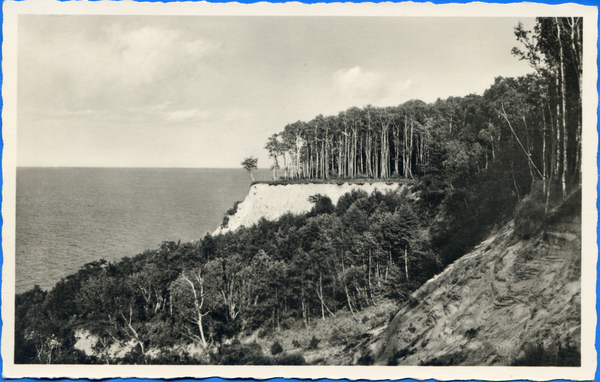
(446, 360)
(553, 355)
(400, 354)
(225, 222)
(296, 344)
(289, 359)
(346, 200)
(262, 333)
(276, 348)
(471, 333)
(243, 355)
(230, 212)
(171, 357)
(314, 343)
(530, 214)
(233, 210)
(322, 205)
(318, 361)
(366, 359)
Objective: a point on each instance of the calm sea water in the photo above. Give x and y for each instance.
(67, 217)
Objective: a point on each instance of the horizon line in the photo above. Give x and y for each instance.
(144, 167)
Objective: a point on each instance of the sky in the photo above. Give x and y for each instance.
(207, 91)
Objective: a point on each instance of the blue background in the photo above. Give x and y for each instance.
(584, 2)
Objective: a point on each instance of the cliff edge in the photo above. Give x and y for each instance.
(272, 201)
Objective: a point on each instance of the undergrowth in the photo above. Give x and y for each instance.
(555, 354)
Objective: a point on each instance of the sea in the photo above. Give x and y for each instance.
(67, 217)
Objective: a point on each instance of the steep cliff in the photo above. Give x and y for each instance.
(273, 201)
(492, 305)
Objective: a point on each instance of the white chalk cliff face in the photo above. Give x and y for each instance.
(273, 201)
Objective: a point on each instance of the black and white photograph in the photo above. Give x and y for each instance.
(264, 190)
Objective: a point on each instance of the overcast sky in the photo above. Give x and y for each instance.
(198, 91)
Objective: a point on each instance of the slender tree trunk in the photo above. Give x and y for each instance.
(563, 110)
(396, 150)
(406, 263)
(544, 169)
(322, 299)
(369, 275)
(410, 150)
(575, 25)
(348, 299)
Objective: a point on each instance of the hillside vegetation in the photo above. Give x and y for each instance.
(318, 287)
(514, 300)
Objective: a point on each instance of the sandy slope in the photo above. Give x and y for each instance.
(483, 308)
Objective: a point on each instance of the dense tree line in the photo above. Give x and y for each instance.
(537, 117)
(270, 276)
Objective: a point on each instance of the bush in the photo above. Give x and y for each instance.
(232, 211)
(322, 205)
(471, 333)
(289, 359)
(171, 357)
(553, 355)
(400, 354)
(366, 359)
(262, 333)
(530, 214)
(296, 344)
(276, 348)
(243, 355)
(225, 222)
(314, 343)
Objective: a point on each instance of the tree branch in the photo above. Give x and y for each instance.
(503, 114)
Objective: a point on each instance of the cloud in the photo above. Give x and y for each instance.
(357, 82)
(116, 67)
(187, 115)
(366, 87)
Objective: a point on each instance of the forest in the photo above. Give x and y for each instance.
(475, 162)
(536, 117)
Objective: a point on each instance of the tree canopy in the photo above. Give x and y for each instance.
(250, 164)
(531, 122)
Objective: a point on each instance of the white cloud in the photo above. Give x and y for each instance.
(187, 115)
(366, 87)
(118, 67)
(199, 48)
(356, 82)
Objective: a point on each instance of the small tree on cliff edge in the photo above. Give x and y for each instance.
(250, 164)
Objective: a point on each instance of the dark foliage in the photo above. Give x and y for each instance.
(322, 205)
(243, 355)
(276, 348)
(530, 214)
(553, 355)
(453, 359)
(289, 359)
(366, 359)
(314, 343)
